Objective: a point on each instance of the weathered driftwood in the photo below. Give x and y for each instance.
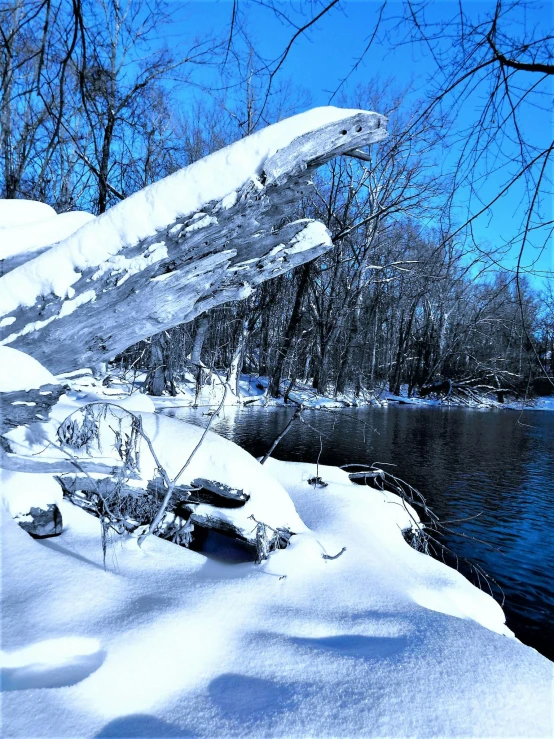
(22, 407)
(9, 263)
(209, 258)
(182, 494)
(219, 491)
(202, 491)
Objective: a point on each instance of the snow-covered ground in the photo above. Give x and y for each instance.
(381, 641)
(253, 392)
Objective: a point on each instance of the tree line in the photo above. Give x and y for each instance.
(412, 314)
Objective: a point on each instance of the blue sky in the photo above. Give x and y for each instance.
(320, 59)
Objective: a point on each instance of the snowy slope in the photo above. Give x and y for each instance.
(20, 212)
(173, 441)
(168, 643)
(19, 371)
(382, 641)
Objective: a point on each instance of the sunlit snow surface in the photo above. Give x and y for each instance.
(32, 236)
(15, 213)
(382, 641)
(53, 663)
(19, 371)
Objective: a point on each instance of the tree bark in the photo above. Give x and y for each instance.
(196, 354)
(238, 358)
(283, 350)
(160, 375)
(188, 270)
(22, 407)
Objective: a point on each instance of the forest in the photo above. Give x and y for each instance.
(95, 107)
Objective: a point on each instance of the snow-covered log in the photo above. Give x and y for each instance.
(200, 491)
(205, 235)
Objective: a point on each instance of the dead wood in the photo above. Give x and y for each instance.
(283, 433)
(22, 407)
(208, 258)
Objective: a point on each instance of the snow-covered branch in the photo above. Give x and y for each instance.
(203, 236)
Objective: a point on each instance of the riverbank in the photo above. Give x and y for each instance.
(488, 473)
(382, 641)
(252, 390)
(347, 632)
(164, 641)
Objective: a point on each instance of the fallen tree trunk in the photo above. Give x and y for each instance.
(201, 491)
(22, 407)
(162, 257)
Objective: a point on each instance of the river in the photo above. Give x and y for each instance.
(495, 468)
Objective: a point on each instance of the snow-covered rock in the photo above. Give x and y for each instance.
(19, 371)
(41, 523)
(23, 212)
(22, 491)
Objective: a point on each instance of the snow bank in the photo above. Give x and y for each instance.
(22, 491)
(166, 642)
(163, 641)
(19, 371)
(23, 212)
(33, 236)
(173, 441)
(148, 211)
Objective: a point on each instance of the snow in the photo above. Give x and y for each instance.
(253, 389)
(202, 222)
(382, 641)
(19, 371)
(159, 640)
(23, 491)
(32, 236)
(69, 306)
(150, 210)
(315, 233)
(123, 268)
(173, 441)
(544, 404)
(23, 212)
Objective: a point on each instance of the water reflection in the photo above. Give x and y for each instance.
(499, 465)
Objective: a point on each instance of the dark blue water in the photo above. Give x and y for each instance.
(496, 465)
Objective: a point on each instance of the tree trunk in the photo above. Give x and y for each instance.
(237, 360)
(104, 164)
(342, 374)
(264, 344)
(290, 333)
(196, 354)
(160, 375)
(113, 292)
